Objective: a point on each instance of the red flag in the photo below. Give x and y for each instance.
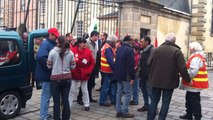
(116, 32)
(156, 42)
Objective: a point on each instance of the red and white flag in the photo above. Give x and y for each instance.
(156, 42)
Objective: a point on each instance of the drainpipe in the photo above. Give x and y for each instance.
(25, 19)
(76, 12)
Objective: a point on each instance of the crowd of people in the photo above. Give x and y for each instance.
(65, 64)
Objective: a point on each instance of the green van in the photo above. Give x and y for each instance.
(16, 69)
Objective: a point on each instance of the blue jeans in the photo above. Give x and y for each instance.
(127, 88)
(108, 88)
(135, 90)
(166, 99)
(45, 99)
(60, 91)
(146, 90)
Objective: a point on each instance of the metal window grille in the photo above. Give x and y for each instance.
(212, 25)
(46, 12)
(22, 5)
(42, 25)
(79, 28)
(60, 5)
(108, 2)
(59, 26)
(81, 5)
(43, 4)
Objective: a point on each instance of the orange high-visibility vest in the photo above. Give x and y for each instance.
(104, 64)
(200, 81)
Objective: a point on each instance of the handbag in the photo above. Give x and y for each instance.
(66, 76)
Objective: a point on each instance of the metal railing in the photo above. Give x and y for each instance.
(209, 59)
(76, 16)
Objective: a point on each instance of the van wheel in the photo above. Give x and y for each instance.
(10, 104)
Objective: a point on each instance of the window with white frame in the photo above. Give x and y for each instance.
(211, 32)
(43, 4)
(1, 10)
(81, 5)
(22, 6)
(79, 28)
(108, 2)
(42, 25)
(59, 25)
(60, 5)
(1, 21)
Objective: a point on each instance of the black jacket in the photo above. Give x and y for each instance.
(166, 65)
(124, 64)
(144, 68)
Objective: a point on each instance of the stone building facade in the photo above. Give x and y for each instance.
(201, 28)
(190, 20)
(150, 18)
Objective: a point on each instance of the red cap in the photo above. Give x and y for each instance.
(54, 31)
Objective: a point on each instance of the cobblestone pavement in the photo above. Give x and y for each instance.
(177, 108)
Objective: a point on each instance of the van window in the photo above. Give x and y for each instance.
(37, 43)
(9, 53)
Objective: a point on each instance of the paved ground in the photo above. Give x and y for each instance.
(31, 112)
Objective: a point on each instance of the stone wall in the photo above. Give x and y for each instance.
(207, 29)
(134, 17)
(198, 20)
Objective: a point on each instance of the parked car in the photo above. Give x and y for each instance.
(16, 71)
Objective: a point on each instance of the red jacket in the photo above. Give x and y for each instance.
(84, 63)
(137, 59)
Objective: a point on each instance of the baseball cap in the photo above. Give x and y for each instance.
(54, 31)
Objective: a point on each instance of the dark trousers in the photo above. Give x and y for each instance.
(146, 90)
(101, 79)
(90, 86)
(166, 99)
(60, 91)
(193, 106)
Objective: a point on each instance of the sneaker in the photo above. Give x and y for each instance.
(133, 103)
(118, 115)
(128, 115)
(87, 108)
(142, 109)
(49, 117)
